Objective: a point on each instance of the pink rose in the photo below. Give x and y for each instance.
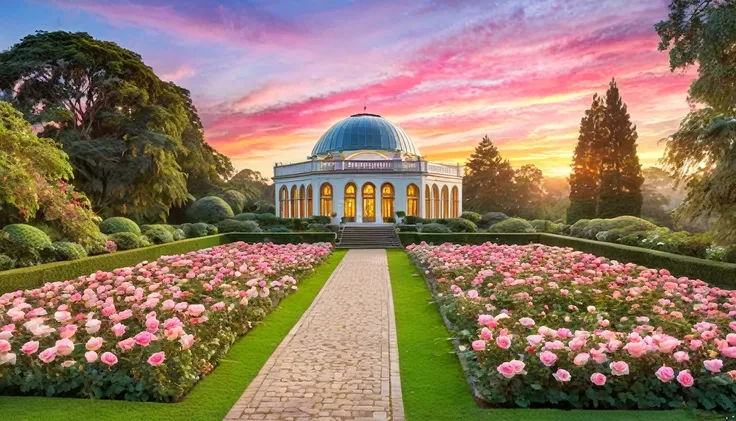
(581, 359)
(90, 356)
(47, 355)
(157, 359)
(534, 340)
(94, 343)
(503, 342)
(714, 366)
(92, 326)
(109, 358)
(681, 356)
(62, 316)
(479, 345)
(729, 352)
(64, 347)
(668, 345)
(598, 379)
(732, 374)
(486, 334)
(665, 374)
(561, 375)
(30, 347)
(685, 378)
(548, 358)
(619, 368)
(518, 366)
(127, 344)
(196, 309)
(186, 341)
(144, 338)
(576, 344)
(599, 356)
(526, 321)
(507, 370)
(67, 331)
(695, 344)
(4, 345)
(152, 325)
(119, 329)
(636, 349)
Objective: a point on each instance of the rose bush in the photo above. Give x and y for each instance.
(550, 326)
(148, 332)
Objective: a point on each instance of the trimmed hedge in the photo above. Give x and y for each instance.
(36, 276)
(717, 273)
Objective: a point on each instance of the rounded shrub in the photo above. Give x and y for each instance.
(179, 234)
(233, 225)
(266, 219)
(434, 228)
(211, 229)
(623, 225)
(278, 228)
(119, 224)
(318, 228)
(129, 240)
(27, 236)
(65, 250)
(6, 263)
(98, 245)
(247, 216)
(197, 230)
(462, 225)
(320, 219)
(407, 228)
(157, 234)
(473, 217)
(235, 199)
(545, 225)
(512, 225)
(576, 229)
(209, 209)
(411, 220)
(491, 218)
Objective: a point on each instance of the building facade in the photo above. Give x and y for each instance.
(365, 169)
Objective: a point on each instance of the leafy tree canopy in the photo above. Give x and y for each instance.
(488, 182)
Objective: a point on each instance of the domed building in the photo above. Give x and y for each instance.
(365, 169)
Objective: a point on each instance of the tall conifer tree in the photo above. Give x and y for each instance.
(488, 184)
(585, 177)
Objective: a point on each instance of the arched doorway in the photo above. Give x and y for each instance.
(445, 202)
(369, 202)
(310, 210)
(302, 208)
(436, 200)
(412, 200)
(455, 202)
(284, 202)
(293, 200)
(387, 202)
(427, 203)
(350, 193)
(325, 199)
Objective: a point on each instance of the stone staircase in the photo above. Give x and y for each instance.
(368, 237)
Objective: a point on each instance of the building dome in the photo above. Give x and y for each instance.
(364, 132)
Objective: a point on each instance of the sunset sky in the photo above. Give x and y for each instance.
(269, 77)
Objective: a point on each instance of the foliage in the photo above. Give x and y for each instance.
(659, 196)
(616, 227)
(119, 224)
(680, 242)
(178, 234)
(461, 225)
(434, 228)
(541, 225)
(278, 228)
(6, 263)
(159, 234)
(407, 228)
(212, 229)
(254, 187)
(529, 193)
(701, 155)
(235, 199)
(209, 209)
(491, 218)
(234, 225)
(129, 240)
(27, 236)
(318, 228)
(512, 225)
(64, 250)
(247, 216)
(473, 217)
(488, 182)
(319, 219)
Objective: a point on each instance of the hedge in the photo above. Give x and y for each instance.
(35, 276)
(717, 273)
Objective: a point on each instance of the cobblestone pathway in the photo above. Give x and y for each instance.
(340, 361)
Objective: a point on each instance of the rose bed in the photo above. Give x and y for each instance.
(148, 332)
(553, 327)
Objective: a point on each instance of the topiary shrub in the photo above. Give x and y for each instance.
(407, 228)
(411, 220)
(299, 224)
(320, 219)
(248, 216)
(730, 254)
(278, 228)
(544, 225)
(212, 229)
(434, 228)
(129, 240)
(98, 245)
(157, 234)
(473, 217)
(512, 225)
(209, 209)
(623, 225)
(6, 263)
(233, 225)
(576, 229)
(64, 250)
(491, 218)
(119, 224)
(179, 234)
(235, 199)
(23, 235)
(461, 225)
(197, 230)
(266, 219)
(318, 228)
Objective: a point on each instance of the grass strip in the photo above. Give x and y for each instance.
(432, 381)
(213, 397)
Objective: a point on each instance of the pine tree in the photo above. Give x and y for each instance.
(585, 177)
(488, 183)
(620, 173)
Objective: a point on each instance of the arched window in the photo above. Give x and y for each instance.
(294, 202)
(455, 202)
(436, 200)
(284, 202)
(325, 199)
(302, 210)
(412, 200)
(369, 202)
(350, 192)
(387, 201)
(427, 203)
(445, 202)
(309, 201)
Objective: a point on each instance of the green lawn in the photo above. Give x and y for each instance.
(432, 381)
(212, 398)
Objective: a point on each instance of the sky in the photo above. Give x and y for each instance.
(269, 77)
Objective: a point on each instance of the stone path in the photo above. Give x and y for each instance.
(340, 361)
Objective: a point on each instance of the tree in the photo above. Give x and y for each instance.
(33, 171)
(488, 184)
(131, 137)
(585, 177)
(529, 195)
(620, 172)
(701, 155)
